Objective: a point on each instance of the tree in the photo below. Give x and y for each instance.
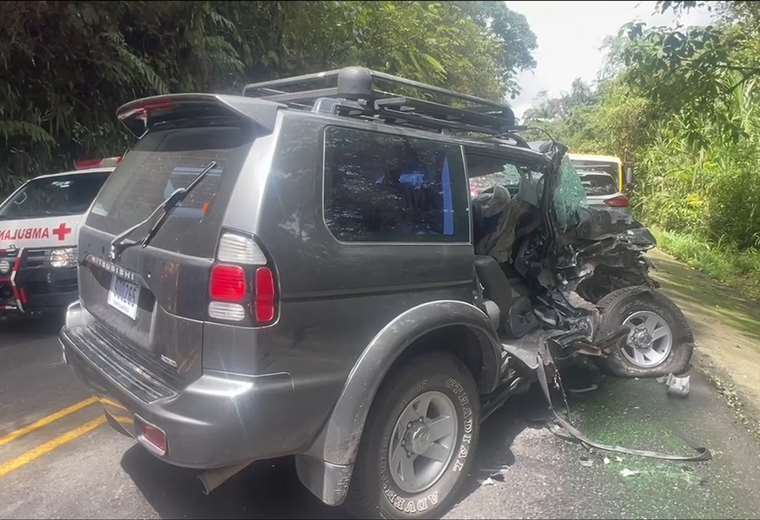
(513, 34)
(682, 104)
(66, 66)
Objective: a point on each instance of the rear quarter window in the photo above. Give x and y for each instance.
(390, 188)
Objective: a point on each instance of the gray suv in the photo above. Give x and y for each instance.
(294, 272)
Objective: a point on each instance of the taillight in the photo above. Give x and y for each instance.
(621, 201)
(265, 293)
(242, 285)
(227, 283)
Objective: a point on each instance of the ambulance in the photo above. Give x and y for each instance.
(39, 224)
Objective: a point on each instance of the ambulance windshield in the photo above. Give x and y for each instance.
(53, 196)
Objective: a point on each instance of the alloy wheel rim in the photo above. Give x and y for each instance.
(649, 341)
(422, 442)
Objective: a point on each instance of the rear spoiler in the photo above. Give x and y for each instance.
(141, 115)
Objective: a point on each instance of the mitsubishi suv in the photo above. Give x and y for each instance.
(305, 270)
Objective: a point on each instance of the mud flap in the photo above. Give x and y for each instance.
(572, 433)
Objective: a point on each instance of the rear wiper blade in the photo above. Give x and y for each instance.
(119, 243)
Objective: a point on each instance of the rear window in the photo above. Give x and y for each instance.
(53, 196)
(598, 183)
(159, 164)
(390, 188)
(609, 168)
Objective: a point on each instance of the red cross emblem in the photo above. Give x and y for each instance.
(61, 231)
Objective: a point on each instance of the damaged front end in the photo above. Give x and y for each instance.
(585, 274)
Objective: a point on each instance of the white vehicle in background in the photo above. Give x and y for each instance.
(39, 224)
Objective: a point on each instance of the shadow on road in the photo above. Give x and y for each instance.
(266, 489)
(270, 489)
(497, 434)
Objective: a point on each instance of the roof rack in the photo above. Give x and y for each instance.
(368, 94)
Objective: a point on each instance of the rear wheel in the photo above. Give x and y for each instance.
(419, 440)
(660, 340)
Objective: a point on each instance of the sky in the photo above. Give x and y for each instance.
(570, 36)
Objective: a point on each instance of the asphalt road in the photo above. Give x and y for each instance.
(77, 467)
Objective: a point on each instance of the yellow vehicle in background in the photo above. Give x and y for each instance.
(601, 163)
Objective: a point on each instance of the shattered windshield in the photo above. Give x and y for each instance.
(570, 197)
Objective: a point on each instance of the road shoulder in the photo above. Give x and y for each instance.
(727, 331)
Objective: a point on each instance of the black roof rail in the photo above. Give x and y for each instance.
(368, 94)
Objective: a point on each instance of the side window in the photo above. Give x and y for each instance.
(390, 188)
(486, 171)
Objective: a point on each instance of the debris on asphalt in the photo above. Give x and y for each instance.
(500, 470)
(586, 462)
(489, 482)
(583, 390)
(606, 461)
(495, 474)
(625, 472)
(678, 386)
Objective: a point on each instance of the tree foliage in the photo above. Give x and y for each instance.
(682, 104)
(66, 66)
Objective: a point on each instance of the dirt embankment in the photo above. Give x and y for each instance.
(727, 330)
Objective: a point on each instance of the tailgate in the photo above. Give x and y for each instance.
(155, 298)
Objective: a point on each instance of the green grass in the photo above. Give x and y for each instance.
(737, 269)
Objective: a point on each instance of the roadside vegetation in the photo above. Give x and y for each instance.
(736, 268)
(65, 67)
(683, 105)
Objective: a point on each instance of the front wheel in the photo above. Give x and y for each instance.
(419, 440)
(660, 340)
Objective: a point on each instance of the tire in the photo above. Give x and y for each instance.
(638, 304)
(375, 490)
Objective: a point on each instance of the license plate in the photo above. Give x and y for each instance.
(123, 296)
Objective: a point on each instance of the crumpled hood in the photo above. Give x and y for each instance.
(40, 232)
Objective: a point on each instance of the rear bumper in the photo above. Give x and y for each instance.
(217, 420)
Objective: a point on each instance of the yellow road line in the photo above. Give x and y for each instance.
(43, 449)
(103, 400)
(46, 420)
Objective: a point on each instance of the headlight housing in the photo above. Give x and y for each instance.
(63, 257)
(5, 266)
